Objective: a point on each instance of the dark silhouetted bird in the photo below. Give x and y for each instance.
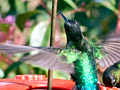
(78, 58)
(111, 76)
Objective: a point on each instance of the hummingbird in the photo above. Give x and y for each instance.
(111, 76)
(79, 58)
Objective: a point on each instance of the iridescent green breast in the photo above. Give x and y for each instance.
(85, 74)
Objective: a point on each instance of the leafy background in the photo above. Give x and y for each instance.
(28, 22)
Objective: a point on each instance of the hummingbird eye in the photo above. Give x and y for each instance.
(72, 22)
(113, 81)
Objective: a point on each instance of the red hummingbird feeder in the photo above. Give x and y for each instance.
(39, 82)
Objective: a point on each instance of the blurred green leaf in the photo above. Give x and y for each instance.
(20, 6)
(24, 69)
(110, 4)
(40, 71)
(11, 67)
(60, 75)
(1, 73)
(71, 3)
(38, 34)
(21, 18)
(12, 74)
(46, 36)
(4, 27)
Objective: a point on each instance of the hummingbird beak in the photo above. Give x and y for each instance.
(63, 16)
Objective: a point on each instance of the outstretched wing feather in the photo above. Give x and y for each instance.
(46, 57)
(111, 46)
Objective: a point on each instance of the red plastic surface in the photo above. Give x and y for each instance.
(32, 82)
(107, 88)
(38, 82)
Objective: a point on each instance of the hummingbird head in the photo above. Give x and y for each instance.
(72, 29)
(109, 81)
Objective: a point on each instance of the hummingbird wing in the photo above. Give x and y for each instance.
(111, 50)
(47, 57)
(13, 49)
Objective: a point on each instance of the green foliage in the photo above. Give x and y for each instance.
(71, 3)
(37, 39)
(1, 73)
(4, 27)
(33, 21)
(110, 4)
(21, 18)
(11, 67)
